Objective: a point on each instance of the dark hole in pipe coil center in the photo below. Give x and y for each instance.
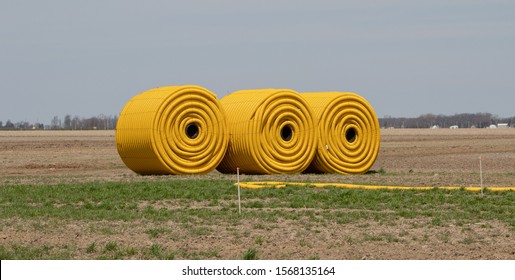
(192, 130)
(350, 135)
(286, 133)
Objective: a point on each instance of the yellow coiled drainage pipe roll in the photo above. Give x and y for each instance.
(348, 131)
(172, 130)
(271, 131)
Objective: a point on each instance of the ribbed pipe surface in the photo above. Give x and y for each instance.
(348, 133)
(172, 130)
(271, 131)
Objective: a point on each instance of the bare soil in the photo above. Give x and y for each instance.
(418, 157)
(412, 157)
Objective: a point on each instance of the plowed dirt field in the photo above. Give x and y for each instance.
(417, 157)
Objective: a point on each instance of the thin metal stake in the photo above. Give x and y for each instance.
(239, 192)
(481, 174)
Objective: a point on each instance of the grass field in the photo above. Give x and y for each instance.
(67, 195)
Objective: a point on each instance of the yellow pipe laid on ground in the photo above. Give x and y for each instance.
(260, 185)
(172, 130)
(271, 131)
(348, 133)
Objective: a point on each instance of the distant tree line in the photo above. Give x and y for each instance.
(100, 122)
(478, 120)
(104, 122)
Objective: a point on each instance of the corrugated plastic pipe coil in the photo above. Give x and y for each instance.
(348, 133)
(271, 131)
(172, 130)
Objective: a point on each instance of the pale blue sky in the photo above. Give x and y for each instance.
(405, 57)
